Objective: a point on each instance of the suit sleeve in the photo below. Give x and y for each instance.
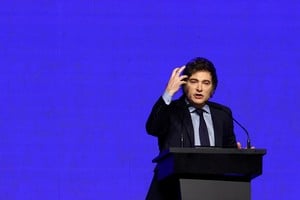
(158, 120)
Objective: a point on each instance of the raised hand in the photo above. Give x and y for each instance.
(176, 80)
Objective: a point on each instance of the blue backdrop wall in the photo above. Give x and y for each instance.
(78, 80)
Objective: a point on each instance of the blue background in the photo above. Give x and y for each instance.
(78, 80)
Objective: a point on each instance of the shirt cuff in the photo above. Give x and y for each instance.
(167, 98)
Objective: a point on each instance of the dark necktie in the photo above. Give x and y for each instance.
(204, 139)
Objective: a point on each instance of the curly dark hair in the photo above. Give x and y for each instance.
(201, 64)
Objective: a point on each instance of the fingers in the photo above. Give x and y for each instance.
(176, 80)
(181, 69)
(239, 145)
(174, 72)
(177, 71)
(177, 74)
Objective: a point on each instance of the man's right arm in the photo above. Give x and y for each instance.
(157, 122)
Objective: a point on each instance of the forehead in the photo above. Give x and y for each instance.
(201, 75)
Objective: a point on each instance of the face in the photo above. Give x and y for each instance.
(199, 88)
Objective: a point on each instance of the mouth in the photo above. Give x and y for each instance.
(198, 96)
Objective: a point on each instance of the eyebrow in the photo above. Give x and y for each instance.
(195, 79)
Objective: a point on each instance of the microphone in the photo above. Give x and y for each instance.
(219, 107)
(182, 139)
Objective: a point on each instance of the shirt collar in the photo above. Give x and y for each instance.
(192, 108)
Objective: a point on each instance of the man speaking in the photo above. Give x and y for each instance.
(192, 120)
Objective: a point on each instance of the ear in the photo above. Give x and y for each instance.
(212, 93)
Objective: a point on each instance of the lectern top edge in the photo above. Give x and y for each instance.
(209, 150)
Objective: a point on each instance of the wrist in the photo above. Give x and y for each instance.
(167, 97)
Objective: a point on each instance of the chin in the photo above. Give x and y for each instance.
(198, 103)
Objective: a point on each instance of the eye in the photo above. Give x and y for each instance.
(193, 81)
(206, 82)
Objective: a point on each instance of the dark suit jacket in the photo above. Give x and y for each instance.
(172, 125)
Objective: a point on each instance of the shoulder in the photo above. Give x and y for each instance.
(161, 106)
(218, 107)
(179, 103)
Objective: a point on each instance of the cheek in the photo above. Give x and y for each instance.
(210, 93)
(185, 89)
(189, 90)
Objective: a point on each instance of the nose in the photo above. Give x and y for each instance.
(199, 87)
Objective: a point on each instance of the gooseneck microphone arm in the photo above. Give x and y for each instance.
(219, 107)
(248, 137)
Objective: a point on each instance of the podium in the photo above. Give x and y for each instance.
(208, 173)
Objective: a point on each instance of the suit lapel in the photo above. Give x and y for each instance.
(217, 124)
(187, 121)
